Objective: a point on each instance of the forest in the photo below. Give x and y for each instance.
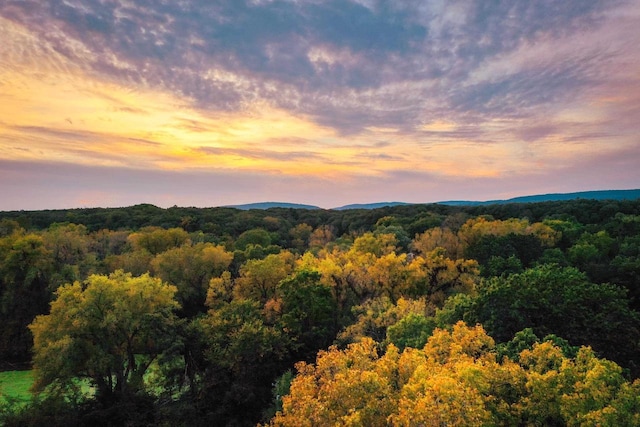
(507, 314)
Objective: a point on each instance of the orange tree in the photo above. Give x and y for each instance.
(458, 379)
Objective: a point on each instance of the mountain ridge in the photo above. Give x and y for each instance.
(547, 197)
(554, 197)
(269, 205)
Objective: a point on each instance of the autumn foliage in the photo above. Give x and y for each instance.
(415, 315)
(458, 379)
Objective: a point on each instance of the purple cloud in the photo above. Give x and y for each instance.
(518, 74)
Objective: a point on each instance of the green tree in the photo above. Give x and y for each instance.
(561, 301)
(625, 268)
(256, 236)
(107, 242)
(109, 330)
(413, 330)
(156, 240)
(505, 254)
(136, 262)
(308, 312)
(26, 266)
(190, 268)
(69, 246)
(300, 235)
(9, 227)
(243, 355)
(592, 254)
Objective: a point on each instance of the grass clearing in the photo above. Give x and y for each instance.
(16, 384)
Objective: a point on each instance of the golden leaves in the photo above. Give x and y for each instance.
(457, 380)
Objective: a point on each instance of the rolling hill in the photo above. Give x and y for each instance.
(551, 197)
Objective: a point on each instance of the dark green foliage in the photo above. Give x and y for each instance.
(308, 313)
(157, 240)
(553, 256)
(498, 255)
(421, 223)
(526, 338)
(255, 237)
(413, 218)
(242, 356)
(280, 389)
(138, 411)
(47, 411)
(561, 301)
(569, 229)
(190, 268)
(412, 330)
(499, 266)
(402, 237)
(26, 267)
(8, 227)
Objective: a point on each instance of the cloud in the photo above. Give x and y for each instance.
(262, 154)
(454, 89)
(294, 53)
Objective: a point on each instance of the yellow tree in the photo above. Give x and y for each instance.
(321, 236)
(438, 237)
(376, 244)
(371, 268)
(345, 272)
(439, 400)
(109, 330)
(351, 387)
(446, 383)
(374, 316)
(389, 275)
(438, 276)
(156, 240)
(259, 277)
(474, 229)
(190, 268)
(458, 380)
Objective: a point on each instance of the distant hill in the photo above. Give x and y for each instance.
(268, 205)
(553, 197)
(370, 205)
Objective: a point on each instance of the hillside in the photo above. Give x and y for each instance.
(555, 197)
(550, 197)
(269, 205)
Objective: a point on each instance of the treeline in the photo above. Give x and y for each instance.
(187, 316)
(232, 222)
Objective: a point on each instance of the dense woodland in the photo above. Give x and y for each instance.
(513, 314)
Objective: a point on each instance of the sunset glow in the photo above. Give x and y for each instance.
(132, 102)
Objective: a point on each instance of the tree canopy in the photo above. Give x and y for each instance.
(109, 330)
(457, 379)
(199, 316)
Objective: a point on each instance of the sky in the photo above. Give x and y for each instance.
(110, 103)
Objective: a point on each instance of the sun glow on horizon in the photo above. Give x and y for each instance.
(71, 116)
(123, 107)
